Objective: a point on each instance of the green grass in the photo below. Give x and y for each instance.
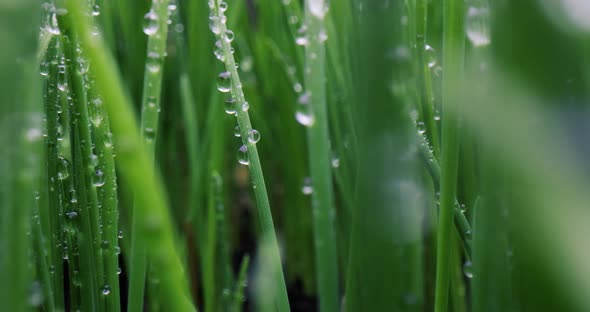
(302, 155)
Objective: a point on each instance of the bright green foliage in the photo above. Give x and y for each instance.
(302, 155)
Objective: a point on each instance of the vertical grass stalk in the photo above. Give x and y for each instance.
(320, 157)
(156, 28)
(453, 54)
(248, 153)
(136, 166)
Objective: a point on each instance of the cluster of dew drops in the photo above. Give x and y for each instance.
(233, 105)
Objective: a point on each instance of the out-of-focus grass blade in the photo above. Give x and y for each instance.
(21, 131)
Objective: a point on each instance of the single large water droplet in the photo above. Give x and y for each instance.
(44, 69)
(304, 118)
(230, 106)
(477, 26)
(98, 178)
(224, 82)
(237, 132)
(71, 214)
(253, 136)
(229, 36)
(63, 168)
(245, 106)
(153, 62)
(243, 155)
(150, 25)
(468, 269)
(317, 8)
(95, 10)
(106, 290)
(430, 55)
(213, 20)
(307, 187)
(302, 41)
(149, 134)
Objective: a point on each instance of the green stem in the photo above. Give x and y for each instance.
(453, 57)
(461, 222)
(136, 164)
(320, 158)
(424, 77)
(157, 30)
(249, 147)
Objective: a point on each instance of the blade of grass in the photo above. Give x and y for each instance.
(248, 149)
(52, 102)
(156, 28)
(135, 163)
(20, 102)
(320, 157)
(241, 283)
(453, 53)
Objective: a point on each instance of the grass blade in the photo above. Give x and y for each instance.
(320, 157)
(136, 165)
(453, 52)
(248, 153)
(156, 28)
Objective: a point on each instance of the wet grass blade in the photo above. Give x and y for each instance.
(156, 28)
(248, 153)
(320, 158)
(136, 165)
(453, 58)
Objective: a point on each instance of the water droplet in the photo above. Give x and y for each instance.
(335, 162)
(222, 6)
(219, 54)
(317, 8)
(304, 118)
(253, 136)
(98, 178)
(230, 106)
(63, 168)
(213, 20)
(323, 35)
(304, 98)
(150, 26)
(421, 128)
(44, 69)
(105, 244)
(302, 41)
(297, 87)
(224, 82)
(149, 134)
(36, 297)
(117, 250)
(237, 132)
(153, 62)
(108, 140)
(93, 160)
(52, 26)
(243, 155)
(95, 10)
(120, 234)
(34, 134)
(307, 187)
(106, 290)
(462, 208)
(430, 55)
(71, 214)
(245, 106)
(476, 26)
(119, 271)
(229, 36)
(468, 269)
